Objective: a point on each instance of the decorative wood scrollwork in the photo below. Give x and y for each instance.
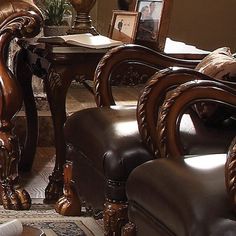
(230, 173)
(16, 24)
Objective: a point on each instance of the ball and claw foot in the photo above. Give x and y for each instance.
(68, 206)
(15, 198)
(54, 190)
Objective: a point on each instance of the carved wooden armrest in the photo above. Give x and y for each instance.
(17, 19)
(152, 98)
(134, 60)
(167, 131)
(230, 173)
(22, 18)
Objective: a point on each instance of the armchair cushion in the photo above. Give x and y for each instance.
(181, 197)
(219, 64)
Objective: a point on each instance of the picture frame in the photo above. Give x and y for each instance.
(150, 17)
(161, 17)
(124, 26)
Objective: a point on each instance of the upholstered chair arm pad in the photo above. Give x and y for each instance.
(130, 61)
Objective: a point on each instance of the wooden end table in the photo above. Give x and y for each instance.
(58, 65)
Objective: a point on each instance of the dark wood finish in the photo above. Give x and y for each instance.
(17, 19)
(57, 71)
(132, 63)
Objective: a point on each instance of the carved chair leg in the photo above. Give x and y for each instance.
(13, 196)
(115, 217)
(69, 204)
(129, 229)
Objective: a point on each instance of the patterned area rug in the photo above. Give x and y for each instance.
(44, 217)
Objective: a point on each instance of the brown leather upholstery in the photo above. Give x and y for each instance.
(184, 195)
(113, 152)
(171, 197)
(106, 143)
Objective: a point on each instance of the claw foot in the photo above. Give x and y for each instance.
(15, 198)
(68, 206)
(54, 190)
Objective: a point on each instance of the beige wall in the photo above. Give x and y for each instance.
(101, 15)
(208, 24)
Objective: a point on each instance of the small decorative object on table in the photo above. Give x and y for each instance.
(83, 23)
(55, 12)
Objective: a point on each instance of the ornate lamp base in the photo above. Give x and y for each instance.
(82, 23)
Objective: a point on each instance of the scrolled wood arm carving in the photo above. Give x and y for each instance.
(152, 97)
(174, 106)
(17, 19)
(22, 18)
(135, 55)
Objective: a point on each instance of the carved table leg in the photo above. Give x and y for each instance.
(56, 86)
(24, 76)
(69, 204)
(115, 216)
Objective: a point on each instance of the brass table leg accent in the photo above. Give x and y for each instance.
(69, 204)
(115, 216)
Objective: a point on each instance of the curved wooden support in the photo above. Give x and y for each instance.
(148, 61)
(115, 217)
(56, 89)
(14, 22)
(24, 76)
(69, 204)
(174, 106)
(153, 96)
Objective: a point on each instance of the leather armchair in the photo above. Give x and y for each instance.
(184, 195)
(104, 143)
(17, 19)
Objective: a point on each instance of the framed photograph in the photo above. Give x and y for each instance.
(149, 19)
(124, 26)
